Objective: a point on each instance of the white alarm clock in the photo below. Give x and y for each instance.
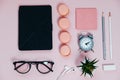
(86, 42)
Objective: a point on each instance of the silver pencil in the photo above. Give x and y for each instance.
(103, 36)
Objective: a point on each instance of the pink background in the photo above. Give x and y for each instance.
(9, 41)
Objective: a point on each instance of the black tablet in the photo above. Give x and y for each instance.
(35, 27)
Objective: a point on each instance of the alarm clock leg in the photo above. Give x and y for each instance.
(92, 50)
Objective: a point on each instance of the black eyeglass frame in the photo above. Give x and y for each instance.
(30, 63)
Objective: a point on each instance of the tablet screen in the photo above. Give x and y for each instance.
(35, 27)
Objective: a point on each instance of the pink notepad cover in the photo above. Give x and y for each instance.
(86, 18)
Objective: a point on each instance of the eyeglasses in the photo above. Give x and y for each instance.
(43, 67)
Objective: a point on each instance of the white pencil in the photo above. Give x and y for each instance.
(110, 33)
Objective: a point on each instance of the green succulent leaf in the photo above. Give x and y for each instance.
(82, 63)
(94, 61)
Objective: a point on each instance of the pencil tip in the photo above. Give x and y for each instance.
(102, 13)
(109, 13)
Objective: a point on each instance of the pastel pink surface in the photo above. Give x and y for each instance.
(9, 41)
(86, 18)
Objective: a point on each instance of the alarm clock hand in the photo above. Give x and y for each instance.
(87, 43)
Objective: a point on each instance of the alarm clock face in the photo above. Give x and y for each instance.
(86, 43)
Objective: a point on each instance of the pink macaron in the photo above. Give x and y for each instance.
(63, 9)
(64, 37)
(64, 23)
(65, 50)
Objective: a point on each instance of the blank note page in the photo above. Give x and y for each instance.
(86, 18)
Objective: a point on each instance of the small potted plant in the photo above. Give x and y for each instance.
(88, 66)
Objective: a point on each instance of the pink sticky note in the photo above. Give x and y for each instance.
(86, 18)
